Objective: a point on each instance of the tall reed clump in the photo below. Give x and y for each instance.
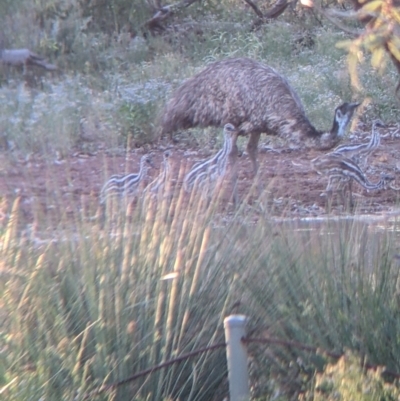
(333, 287)
(100, 302)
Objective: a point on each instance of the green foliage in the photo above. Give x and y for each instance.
(137, 120)
(46, 122)
(377, 40)
(138, 109)
(102, 16)
(9, 6)
(348, 380)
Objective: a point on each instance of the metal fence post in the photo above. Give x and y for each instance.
(236, 354)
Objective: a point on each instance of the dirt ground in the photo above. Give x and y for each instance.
(288, 185)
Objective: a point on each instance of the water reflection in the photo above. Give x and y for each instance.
(358, 239)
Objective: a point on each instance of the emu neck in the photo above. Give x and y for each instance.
(339, 127)
(330, 139)
(142, 171)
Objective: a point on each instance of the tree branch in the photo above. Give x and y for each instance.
(274, 12)
(255, 8)
(163, 12)
(278, 8)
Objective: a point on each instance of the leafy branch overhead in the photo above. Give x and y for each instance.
(380, 36)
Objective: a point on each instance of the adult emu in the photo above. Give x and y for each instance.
(254, 98)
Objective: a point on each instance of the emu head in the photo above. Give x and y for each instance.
(343, 116)
(229, 128)
(378, 124)
(167, 159)
(230, 135)
(146, 161)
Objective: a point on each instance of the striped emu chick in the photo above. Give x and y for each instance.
(339, 167)
(127, 185)
(253, 97)
(158, 184)
(206, 172)
(360, 152)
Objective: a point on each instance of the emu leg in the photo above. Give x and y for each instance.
(346, 193)
(252, 150)
(234, 179)
(350, 187)
(341, 190)
(329, 197)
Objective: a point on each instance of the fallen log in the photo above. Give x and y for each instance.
(24, 57)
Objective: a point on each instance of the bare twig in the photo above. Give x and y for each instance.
(274, 12)
(163, 12)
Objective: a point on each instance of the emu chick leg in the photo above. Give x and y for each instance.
(233, 163)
